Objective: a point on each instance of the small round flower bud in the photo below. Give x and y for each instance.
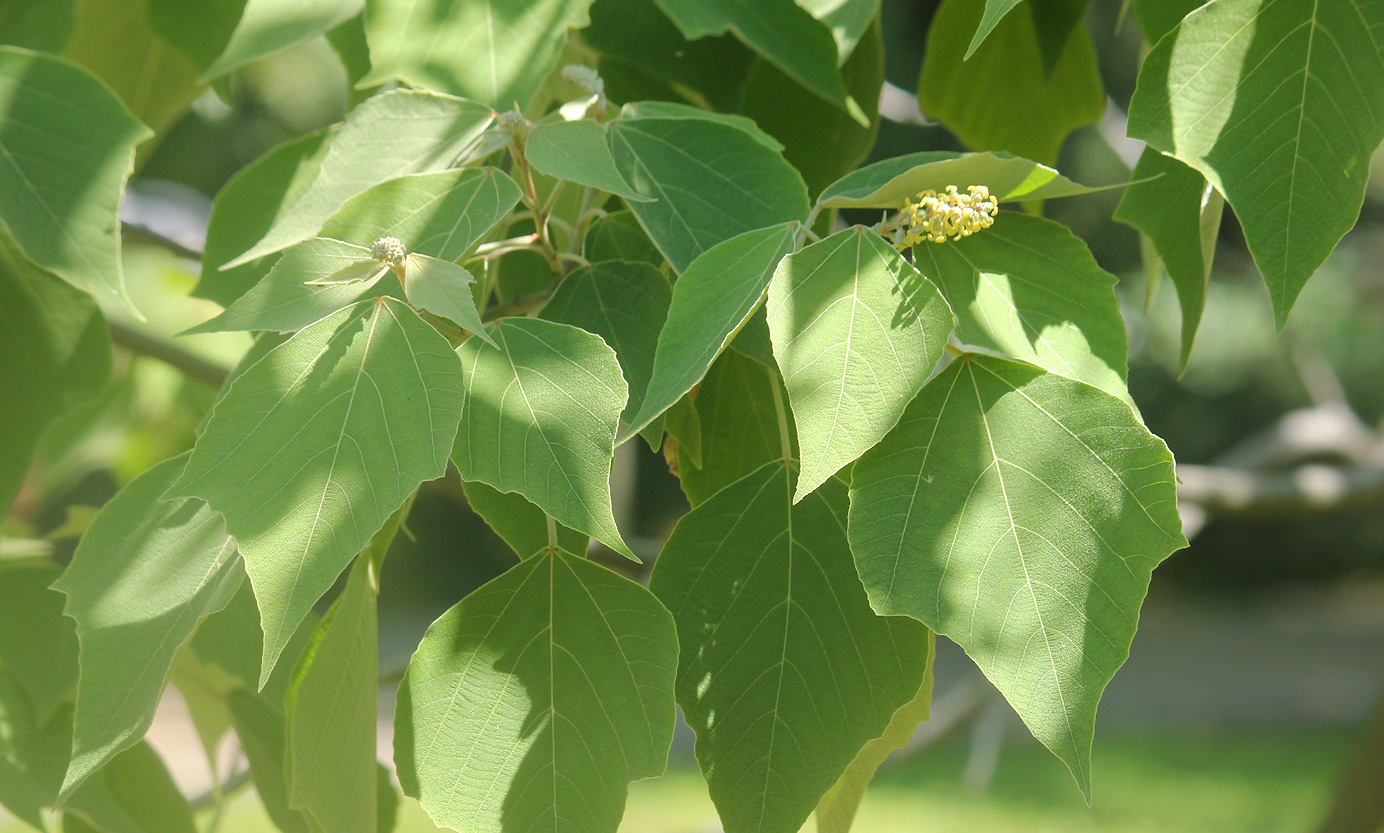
(512, 120)
(388, 250)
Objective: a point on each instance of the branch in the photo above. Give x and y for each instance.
(1309, 488)
(193, 366)
(144, 234)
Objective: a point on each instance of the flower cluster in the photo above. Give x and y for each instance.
(388, 250)
(937, 217)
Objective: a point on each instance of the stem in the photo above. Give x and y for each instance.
(552, 534)
(520, 305)
(782, 412)
(953, 351)
(543, 243)
(577, 240)
(193, 366)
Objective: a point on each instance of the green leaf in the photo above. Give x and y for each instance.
(443, 288)
(848, 21)
(711, 302)
(674, 110)
(67, 145)
(857, 331)
(781, 31)
(538, 417)
(710, 181)
(535, 700)
(262, 732)
(57, 356)
(1277, 104)
(388, 136)
(821, 141)
(248, 206)
(1030, 288)
(618, 236)
(892, 182)
(519, 523)
(738, 424)
(113, 40)
(440, 214)
(836, 811)
(204, 687)
(626, 305)
(285, 301)
(495, 51)
(331, 715)
(266, 26)
(37, 645)
(230, 639)
(754, 340)
(143, 576)
(43, 27)
(32, 757)
(318, 443)
(1053, 21)
(140, 797)
(1181, 213)
(1022, 109)
(1159, 17)
(1019, 513)
(787, 677)
(994, 10)
(577, 151)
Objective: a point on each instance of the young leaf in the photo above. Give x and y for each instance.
(1001, 98)
(57, 356)
(1019, 513)
(290, 298)
(1030, 288)
(387, 136)
(784, 670)
(499, 53)
(143, 576)
(443, 288)
(1181, 213)
(538, 417)
(1282, 118)
(781, 31)
(577, 151)
(892, 182)
(37, 645)
(532, 703)
(440, 214)
(266, 26)
(623, 303)
(248, 206)
(68, 145)
(331, 714)
(857, 331)
(518, 522)
(318, 443)
(711, 301)
(710, 182)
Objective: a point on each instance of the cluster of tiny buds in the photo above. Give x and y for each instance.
(388, 250)
(512, 120)
(937, 217)
(584, 77)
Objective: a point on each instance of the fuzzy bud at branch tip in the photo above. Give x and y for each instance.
(584, 77)
(388, 250)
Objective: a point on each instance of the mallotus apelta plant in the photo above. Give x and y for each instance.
(896, 409)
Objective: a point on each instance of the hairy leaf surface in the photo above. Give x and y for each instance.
(1019, 513)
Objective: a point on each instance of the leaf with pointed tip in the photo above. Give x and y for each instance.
(781, 31)
(857, 331)
(1024, 110)
(1277, 104)
(520, 524)
(1159, 17)
(496, 52)
(788, 676)
(623, 303)
(318, 443)
(387, 136)
(440, 214)
(892, 182)
(994, 10)
(618, 236)
(534, 701)
(538, 417)
(711, 302)
(1181, 214)
(836, 811)
(67, 144)
(37, 645)
(443, 288)
(847, 20)
(754, 341)
(1019, 513)
(143, 577)
(577, 151)
(331, 714)
(1030, 288)
(710, 181)
(57, 353)
(674, 110)
(266, 26)
(289, 299)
